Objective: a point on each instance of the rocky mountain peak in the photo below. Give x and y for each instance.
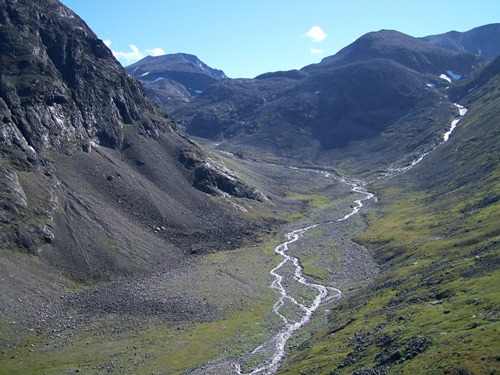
(174, 79)
(153, 68)
(61, 86)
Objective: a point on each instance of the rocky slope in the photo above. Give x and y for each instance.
(94, 175)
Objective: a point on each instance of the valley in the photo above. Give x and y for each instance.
(219, 305)
(341, 218)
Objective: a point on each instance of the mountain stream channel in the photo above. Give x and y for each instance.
(289, 271)
(276, 344)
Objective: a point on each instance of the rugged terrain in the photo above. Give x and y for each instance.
(374, 95)
(96, 181)
(128, 247)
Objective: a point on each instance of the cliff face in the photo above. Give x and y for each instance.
(92, 175)
(61, 86)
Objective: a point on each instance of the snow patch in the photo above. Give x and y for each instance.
(454, 123)
(158, 79)
(144, 74)
(461, 111)
(198, 91)
(432, 85)
(445, 77)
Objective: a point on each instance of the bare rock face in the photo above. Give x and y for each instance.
(213, 178)
(90, 176)
(60, 86)
(12, 196)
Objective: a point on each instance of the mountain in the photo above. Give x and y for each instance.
(171, 80)
(125, 246)
(408, 51)
(483, 41)
(96, 180)
(379, 93)
(434, 233)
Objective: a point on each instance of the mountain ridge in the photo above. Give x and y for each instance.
(404, 49)
(127, 246)
(326, 109)
(482, 40)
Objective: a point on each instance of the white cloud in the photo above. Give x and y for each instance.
(129, 57)
(316, 34)
(155, 51)
(316, 51)
(135, 54)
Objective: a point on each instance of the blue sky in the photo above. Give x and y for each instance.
(245, 38)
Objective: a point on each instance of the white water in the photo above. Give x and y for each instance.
(461, 112)
(276, 345)
(324, 293)
(359, 203)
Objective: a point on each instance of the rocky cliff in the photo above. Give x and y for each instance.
(91, 171)
(61, 86)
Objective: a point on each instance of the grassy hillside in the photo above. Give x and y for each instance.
(435, 232)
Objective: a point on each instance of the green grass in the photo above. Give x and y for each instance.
(150, 347)
(435, 234)
(428, 255)
(314, 200)
(154, 348)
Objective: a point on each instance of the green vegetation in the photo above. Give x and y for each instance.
(150, 347)
(141, 344)
(435, 233)
(439, 291)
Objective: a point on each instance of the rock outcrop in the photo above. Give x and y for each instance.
(213, 178)
(60, 85)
